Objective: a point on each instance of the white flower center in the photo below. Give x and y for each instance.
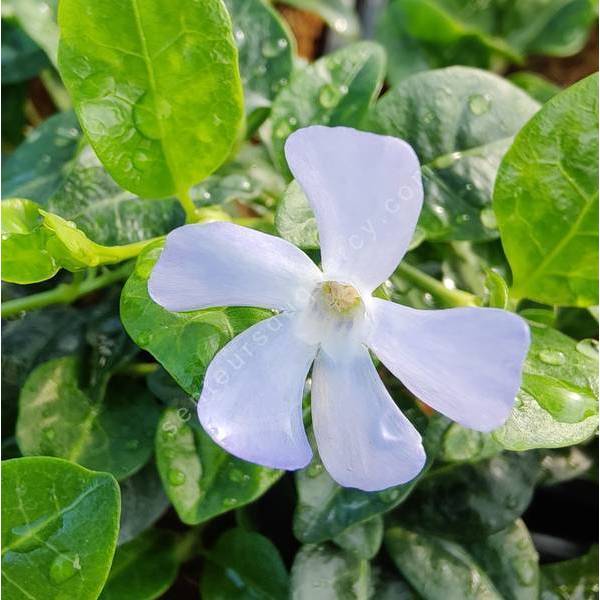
(340, 297)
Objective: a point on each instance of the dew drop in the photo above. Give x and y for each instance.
(238, 476)
(488, 218)
(552, 357)
(479, 104)
(176, 477)
(282, 129)
(141, 160)
(588, 347)
(230, 501)
(271, 48)
(64, 567)
(340, 25)
(330, 95)
(240, 36)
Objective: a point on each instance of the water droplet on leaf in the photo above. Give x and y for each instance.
(64, 566)
(588, 347)
(176, 477)
(488, 218)
(479, 104)
(552, 357)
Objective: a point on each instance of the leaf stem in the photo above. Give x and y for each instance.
(191, 216)
(436, 288)
(65, 293)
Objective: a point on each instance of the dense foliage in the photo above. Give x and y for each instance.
(167, 112)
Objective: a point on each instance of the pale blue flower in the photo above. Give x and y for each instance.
(366, 194)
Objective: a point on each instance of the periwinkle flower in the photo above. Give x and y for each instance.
(366, 193)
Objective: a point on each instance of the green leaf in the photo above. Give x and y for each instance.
(538, 87)
(59, 529)
(325, 509)
(105, 212)
(184, 343)
(244, 565)
(324, 572)
(337, 89)
(295, 220)
(438, 569)
(363, 539)
(576, 578)
(25, 258)
(460, 121)
(38, 19)
(340, 15)
(38, 166)
(160, 99)
(510, 560)
(565, 464)
(546, 201)
(200, 478)
(143, 502)
(393, 587)
(57, 417)
(560, 381)
(22, 58)
(265, 51)
(144, 568)
(468, 501)
(467, 445)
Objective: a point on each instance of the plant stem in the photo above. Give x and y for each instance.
(188, 206)
(138, 369)
(65, 293)
(436, 288)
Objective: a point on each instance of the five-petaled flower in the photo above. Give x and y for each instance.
(366, 193)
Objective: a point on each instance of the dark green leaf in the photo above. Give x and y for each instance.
(200, 478)
(324, 572)
(143, 569)
(59, 529)
(58, 418)
(535, 85)
(469, 501)
(335, 90)
(460, 121)
(438, 569)
(244, 565)
(159, 98)
(39, 165)
(546, 201)
(575, 579)
(22, 58)
(363, 539)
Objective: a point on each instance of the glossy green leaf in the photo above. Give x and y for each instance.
(337, 89)
(325, 509)
(467, 445)
(244, 565)
(576, 578)
(340, 15)
(295, 220)
(38, 19)
(460, 121)
(143, 502)
(144, 568)
(510, 560)
(184, 343)
(535, 85)
(438, 569)
(324, 572)
(22, 59)
(363, 539)
(160, 99)
(59, 529)
(546, 201)
(105, 212)
(57, 417)
(38, 166)
(485, 497)
(200, 478)
(266, 55)
(25, 258)
(558, 401)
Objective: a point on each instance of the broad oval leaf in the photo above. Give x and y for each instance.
(200, 478)
(144, 568)
(324, 572)
(59, 418)
(438, 569)
(59, 529)
(460, 121)
(244, 565)
(546, 201)
(363, 539)
(337, 89)
(159, 98)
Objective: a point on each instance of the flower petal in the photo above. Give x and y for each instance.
(464, 362)
(364, 440)
(222, 264)
(251, 401)
(366, 192)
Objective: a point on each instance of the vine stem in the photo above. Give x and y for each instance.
(436, 288)
(191, 216)
(65, 293)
